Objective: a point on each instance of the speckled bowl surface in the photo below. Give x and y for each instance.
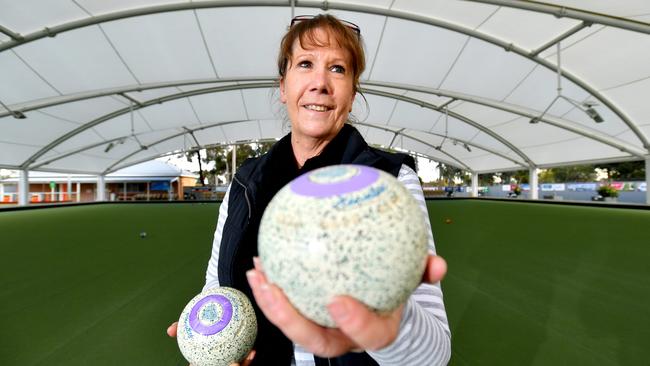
(343, 230)
(217, 328)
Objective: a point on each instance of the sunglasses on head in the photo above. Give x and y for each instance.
(350, 25)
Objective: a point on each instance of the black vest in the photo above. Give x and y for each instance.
(255, 183)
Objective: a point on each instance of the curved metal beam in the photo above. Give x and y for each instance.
(114, 167)
(464, 166)
(70, 98)
(50, 32)
(524, 112)
(128, 109)
(185, 132)
(574, 13)
(125, 110)
(459, 117)
(266, 85)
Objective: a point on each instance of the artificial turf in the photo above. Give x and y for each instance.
(528, 284)
(535, 284)
(79, 286)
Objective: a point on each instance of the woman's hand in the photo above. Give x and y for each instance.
(358, 327)
(172, 331)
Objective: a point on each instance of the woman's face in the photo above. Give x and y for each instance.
(318, 89)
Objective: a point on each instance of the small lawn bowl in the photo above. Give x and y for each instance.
(343, 230)
(217, 328)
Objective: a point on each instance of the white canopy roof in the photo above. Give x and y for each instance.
(147, 171)
(107, 84)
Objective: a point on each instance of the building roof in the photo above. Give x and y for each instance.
(108, 84)
(148, 171)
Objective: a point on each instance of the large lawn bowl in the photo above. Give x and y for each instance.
(343, 230)
(217, 328)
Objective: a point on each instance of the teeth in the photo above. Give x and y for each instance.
(318, 108)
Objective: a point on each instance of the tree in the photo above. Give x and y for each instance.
(449, 173)
(546, 176)
(575, 173)
(628, 170)
(221, 157)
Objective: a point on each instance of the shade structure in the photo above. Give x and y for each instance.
(107, 84)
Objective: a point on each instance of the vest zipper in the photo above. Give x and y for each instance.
(248, 202)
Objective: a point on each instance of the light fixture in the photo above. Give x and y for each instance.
(586, 107)
(439, 147)
(142, 146)
(109, 147)
(467, 147)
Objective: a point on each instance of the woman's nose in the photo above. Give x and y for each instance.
(320, 82)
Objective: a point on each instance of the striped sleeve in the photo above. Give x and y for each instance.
(212, 274)
(424, 337)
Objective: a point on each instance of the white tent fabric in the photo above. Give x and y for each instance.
(108, 84)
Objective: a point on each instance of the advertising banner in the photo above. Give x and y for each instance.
(582, 187)
(553, 187)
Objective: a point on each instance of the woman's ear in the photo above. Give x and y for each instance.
(283, 95)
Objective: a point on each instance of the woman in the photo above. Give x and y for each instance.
(320, 62)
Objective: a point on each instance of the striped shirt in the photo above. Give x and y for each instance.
(424, 337)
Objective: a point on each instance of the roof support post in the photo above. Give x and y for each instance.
(234, 162)
(647, 180)
(474, 184)
(23, 188)
(101, 188)
(534, 190)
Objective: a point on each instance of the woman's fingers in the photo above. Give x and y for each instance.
(435, 269)
(247, 361)
(364, 327)
(171, 330)
(278, 310)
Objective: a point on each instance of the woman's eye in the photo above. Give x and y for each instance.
(304, 64)
(338, 68)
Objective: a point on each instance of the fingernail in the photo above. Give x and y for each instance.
(250, 356)
(253, 279)
(257, 263)
(338, 310)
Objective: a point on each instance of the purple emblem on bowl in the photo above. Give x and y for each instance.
(217, 327)
(306, 186)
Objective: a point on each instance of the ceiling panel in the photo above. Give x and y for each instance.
(273, 128)
(176, 113)
(521, 133)
(162, 47)
(539, 88)
(15, 154)
(29, 130)
(230, 32)
(210, 136)
(470, 15)
(242, 131)
(486, 70)
(581, 149)
(18, 83)
(121, 126)
(76, 61)
(625, 59)
(402, 62)
(508, 24)
(27, 16)
(262, 103)
(486, 116)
